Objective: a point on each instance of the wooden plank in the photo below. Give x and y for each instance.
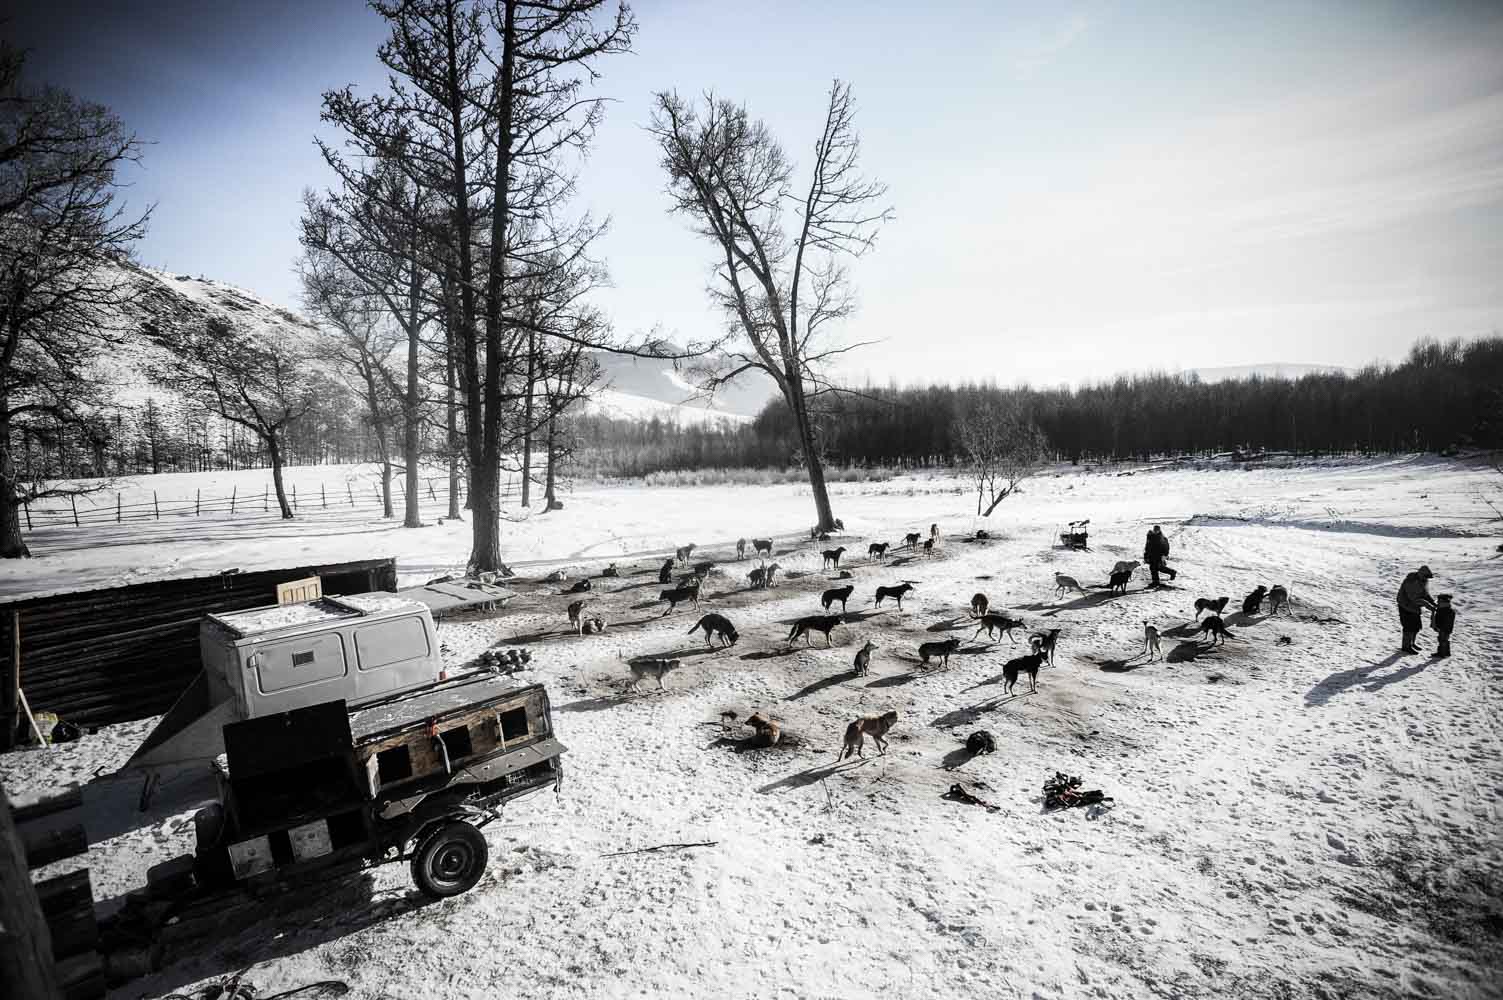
(81, 976)
(26, 966)
(67, 903)
(70, 799)
(53, 837)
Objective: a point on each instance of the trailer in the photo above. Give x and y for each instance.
(415, 778)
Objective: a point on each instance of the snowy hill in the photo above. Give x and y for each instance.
(658, 380)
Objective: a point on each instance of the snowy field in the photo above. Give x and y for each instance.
(1301, 813)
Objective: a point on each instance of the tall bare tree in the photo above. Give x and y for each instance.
(262, 380)
(780, 281)
(63, 242)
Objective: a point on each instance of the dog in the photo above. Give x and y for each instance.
(702, 569)
(761, 577)
(579, 587)
(762, 546)
(1150, 640)
(1023, 664)
(934, 531)
(717, 625)
(1253, 603)
(1216, 628)
(651, 667)
(875, 726)
(1206, 604)
(899, 591)
(1126, 566)
(940, 650)
(928, 546)
(665, 574)
(740, 548)
(814, 623)
(978, 605)
(575, 617)
(1118, 581)
(864, 659)
(839, 524)
(911, 539)
(683, 552)
(841, 594)
(610, 571)
(814, 533)
(1064, 583)
(678, 595)
(594, 625)
(1278, 597)
(991, 624)
(832, 557)
(1044, 642)
(877, 550)
(768, 731)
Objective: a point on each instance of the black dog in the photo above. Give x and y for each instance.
(1206, 604)
(841, 594)
(1118, 581)
(1216, 628)
(814, 623)
(993, 623)
(899, 591)
(763, 546)
(1253, 603)
(877, 550)
(832, 557)
(666, 573)
(939, 650)
(579, 587)
(678, 595)
(911, 539)
(717, 625)
(1023, 664)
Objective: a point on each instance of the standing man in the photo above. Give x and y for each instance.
(1155, 551)
(1414, 597)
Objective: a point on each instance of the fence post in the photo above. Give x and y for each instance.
(294, 496)
(233, 491)
(198, 499)
(117, 508)
(322, 496)
(156, 508)
(378, 495)
(264, 491)
(351, 491)
(431, 494)
(74, 501)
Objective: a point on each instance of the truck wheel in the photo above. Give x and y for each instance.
(450, 861)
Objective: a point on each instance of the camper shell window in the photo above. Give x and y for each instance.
(381, 644)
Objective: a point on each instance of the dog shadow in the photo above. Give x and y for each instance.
(895, 680)
(1184, 631)
(955, 758)
(860, 616)
(1124, 666)
(1086, 601)
(821, 684)
(1241, 618)
(951, 625)
(1343, 680)
(542, 635)
(1187, 652)
(599, 703)
(644, 605)
(771, 654)
(818, 772)
(969, 714)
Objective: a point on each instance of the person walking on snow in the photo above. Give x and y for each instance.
(1413, 598)
(1155, 551)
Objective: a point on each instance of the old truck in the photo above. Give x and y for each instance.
(338, 740)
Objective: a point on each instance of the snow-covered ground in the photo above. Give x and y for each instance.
(1316, 817)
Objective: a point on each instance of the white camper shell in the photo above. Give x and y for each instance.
(356, 648)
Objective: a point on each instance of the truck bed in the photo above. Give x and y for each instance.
(437, 701)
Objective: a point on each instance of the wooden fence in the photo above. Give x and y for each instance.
(122, 653)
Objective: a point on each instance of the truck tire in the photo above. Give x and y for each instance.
(450, 860)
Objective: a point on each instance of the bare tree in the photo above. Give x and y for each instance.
(362, 349)
(63, 244)
(1001, 448)
(780, 285)
(261, 380)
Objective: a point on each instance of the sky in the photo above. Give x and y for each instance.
(1078, 190)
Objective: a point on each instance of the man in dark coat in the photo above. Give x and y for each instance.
(1413, 598)
(1155, 551)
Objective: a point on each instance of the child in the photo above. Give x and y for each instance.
(1443, 620)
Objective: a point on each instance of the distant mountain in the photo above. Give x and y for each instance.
(658, 380)
(1274, 370)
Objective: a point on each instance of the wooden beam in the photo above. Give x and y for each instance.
(26, 965)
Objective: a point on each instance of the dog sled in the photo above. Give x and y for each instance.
(1074, 536)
